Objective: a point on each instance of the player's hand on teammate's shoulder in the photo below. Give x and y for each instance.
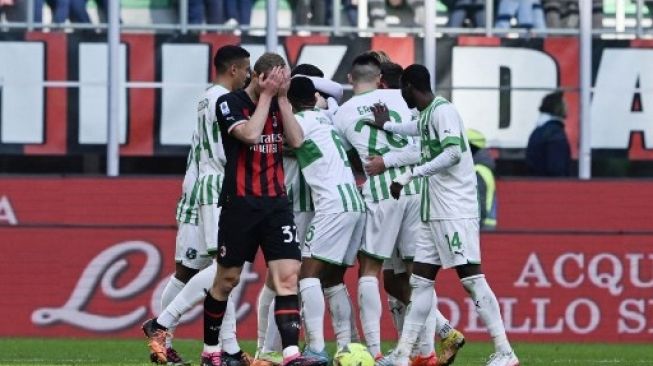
(271, 81)
(381, 114)
(395, 190)
(374, 165)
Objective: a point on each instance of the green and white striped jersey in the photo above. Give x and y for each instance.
(299, 192)
(450, 193)
(323, 160)
(351, 123)
(188, 204)
(211, 153)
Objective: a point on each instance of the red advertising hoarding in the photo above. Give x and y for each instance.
(91, 256)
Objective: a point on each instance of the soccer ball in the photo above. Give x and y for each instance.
(353, 354)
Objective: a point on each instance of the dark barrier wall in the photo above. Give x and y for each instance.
(496, 83)
(89, 257)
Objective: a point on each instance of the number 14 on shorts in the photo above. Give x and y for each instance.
(454, 242)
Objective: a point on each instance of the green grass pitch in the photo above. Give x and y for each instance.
(32, 351)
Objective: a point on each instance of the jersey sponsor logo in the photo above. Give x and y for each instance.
(224, 108)
(268, 144)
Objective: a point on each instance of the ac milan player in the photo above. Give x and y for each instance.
(254, 124)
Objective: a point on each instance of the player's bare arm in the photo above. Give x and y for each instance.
(250, 131)
(374, 165)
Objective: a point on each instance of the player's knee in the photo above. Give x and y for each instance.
(417, 282)
(286, 283)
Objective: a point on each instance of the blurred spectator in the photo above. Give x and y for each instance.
(561, 13)
(14, 10)
(313, 12)
(238, 12)
(484, 165)
(467, 12)
(211, 11)
(351, 11)
(378, 12)
(548, 152)
(529, 14)
(62, 10)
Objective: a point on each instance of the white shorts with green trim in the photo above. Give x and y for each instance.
(395, 264)
(392, 224)
(189, 249)
(449, 243)
(302, 222)
(334, 238)
(209, 216)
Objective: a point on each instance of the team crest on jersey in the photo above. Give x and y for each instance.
(224, 108)
(191, 253)
(223, 251)
(274, 121)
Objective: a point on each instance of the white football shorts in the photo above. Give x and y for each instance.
(449, 243)
(335, 238)
(392, 224)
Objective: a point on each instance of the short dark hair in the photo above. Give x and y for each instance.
(391, 74)
(227, 55)
(267, 62)
(301, 92)
(554, 104)
(307, 70)
(417, 76)
(365, 67)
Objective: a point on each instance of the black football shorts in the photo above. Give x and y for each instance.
(244, 226)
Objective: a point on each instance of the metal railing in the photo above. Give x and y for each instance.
(640, 29)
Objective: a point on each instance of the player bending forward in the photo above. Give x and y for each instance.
(449, 233)
(335, 233)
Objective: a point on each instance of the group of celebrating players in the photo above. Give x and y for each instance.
(272, 164)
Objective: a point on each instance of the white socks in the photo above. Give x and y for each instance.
(265, 299)
(487, 308)
(189, 296)
(341, 313)
(313, 312)
(228, 330)
(173, 287)
(398, 312)
(272, 337)
(369, 302)
(443, 328)
(426, 344)
(421, 303)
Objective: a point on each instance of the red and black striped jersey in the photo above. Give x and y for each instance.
(251, 170)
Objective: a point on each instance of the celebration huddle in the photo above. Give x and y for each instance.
(383, 184)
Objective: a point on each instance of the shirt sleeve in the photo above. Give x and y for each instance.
(409, 128)
(449, 157)
(230, 113)
(449, 125)
(408, 156)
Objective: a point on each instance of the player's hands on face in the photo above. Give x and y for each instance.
(285, 82)
(395, 190)
(381, 114)
(271, 81)
(374, 165)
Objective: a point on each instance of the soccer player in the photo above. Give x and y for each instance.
(335, 232)
(395, 272)
(197, 214)
(389, 224)
(449, 233)
(299, 194)
(254, 123)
